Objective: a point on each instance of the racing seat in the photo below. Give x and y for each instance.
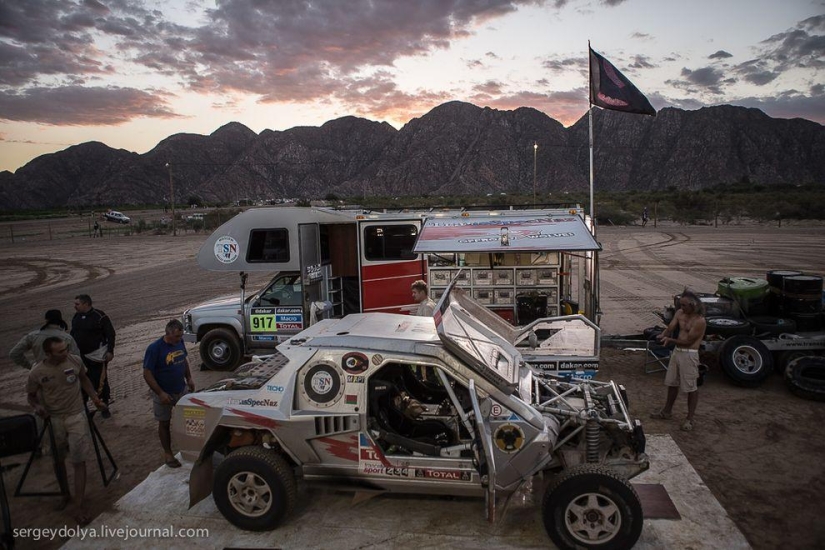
(425, 436)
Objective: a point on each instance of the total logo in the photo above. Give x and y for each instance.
(274, 389)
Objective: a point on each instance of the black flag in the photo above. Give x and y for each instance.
(610, 89)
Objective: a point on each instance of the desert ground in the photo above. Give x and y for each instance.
(758, 450)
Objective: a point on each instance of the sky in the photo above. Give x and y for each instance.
(130, 73)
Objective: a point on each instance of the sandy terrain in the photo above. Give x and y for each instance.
(758, 450)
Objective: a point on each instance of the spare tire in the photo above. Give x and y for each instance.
(805, 377)
(728, 326)
(745, 360)
(764, 325)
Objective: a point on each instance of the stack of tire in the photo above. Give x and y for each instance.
(792, 301)
(805, 377)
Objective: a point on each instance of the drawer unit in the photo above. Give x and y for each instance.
(503, 277)
(525, 277)
(482, 277)
(547, 276)
(440, 277)
(504, 296)
(484, 295)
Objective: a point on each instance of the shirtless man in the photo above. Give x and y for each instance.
(683, 368)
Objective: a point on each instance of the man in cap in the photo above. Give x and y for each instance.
(53, 390)
(33, 342)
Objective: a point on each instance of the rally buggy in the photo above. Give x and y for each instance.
(411, 404)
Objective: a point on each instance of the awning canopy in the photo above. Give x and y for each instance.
(505, 234)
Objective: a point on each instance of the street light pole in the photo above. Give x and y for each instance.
(172, 200)
(535, 152)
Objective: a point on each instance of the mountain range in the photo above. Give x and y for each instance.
(456, 148)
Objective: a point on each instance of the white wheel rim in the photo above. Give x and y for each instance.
(593, 518)
(747, 360)
(249, 494)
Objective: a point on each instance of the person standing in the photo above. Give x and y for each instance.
(166, 371)
(96, 233)
(92, 330)
(33, 341)
(683, 368)
(53, 390)
(644, 217)
(421, 295)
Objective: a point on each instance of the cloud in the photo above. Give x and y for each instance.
(566, 106)
(797, 47)
(560, 64)
(76, 105)
(704, 79)
(721, 54)
(790, 104)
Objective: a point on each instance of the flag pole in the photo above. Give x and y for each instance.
(590, 124)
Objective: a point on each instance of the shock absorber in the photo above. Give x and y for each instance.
(592, 439)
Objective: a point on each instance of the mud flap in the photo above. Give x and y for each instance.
(200, 480)
(485, 459)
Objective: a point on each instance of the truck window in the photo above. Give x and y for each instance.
(389, 242)
(284, 291)
(268, 245)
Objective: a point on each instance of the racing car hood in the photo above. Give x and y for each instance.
(466, 329)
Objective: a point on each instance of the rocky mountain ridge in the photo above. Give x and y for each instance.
(457, 148)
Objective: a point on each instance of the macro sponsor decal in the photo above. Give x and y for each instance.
(226, 249)
(355, 362)
(355, 379)
(194, 422)
(346, 448)
(253, 402)
(508, 438)
(263, 338)
(443, 475)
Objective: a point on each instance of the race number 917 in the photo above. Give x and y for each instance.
(262, 323)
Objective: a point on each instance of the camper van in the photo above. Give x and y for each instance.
(524, 265)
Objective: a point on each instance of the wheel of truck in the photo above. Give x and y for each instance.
(220, 349)
(728, 326)
(805, 377)
(745, 360)
(591, 507)
(764, 325)
(254, 488)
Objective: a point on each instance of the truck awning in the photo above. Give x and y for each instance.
(504, 234)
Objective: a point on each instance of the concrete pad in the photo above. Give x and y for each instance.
(326, 518)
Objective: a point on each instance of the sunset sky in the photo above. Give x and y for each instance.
(129, 73)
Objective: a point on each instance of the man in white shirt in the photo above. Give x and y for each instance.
(421, 295)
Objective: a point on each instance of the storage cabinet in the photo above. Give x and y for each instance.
(518, 294)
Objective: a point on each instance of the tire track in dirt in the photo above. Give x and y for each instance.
(49, 273)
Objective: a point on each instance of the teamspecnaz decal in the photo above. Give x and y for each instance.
(508, 438)
(251, 402)
(273, 319)
(355, 362)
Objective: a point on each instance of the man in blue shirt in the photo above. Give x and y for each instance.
(166, 371)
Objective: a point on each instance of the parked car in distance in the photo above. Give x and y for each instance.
(196, 217)
(115, 216)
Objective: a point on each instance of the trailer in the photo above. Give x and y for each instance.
(523, 264)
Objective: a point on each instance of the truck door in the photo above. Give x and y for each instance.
(388, 264)
(309, 240)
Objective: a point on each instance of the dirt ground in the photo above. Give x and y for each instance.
(759, 450)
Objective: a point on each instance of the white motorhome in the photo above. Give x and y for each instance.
(524, 265)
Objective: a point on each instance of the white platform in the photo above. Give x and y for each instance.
(324, 518)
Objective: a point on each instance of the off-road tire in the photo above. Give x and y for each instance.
(805, 378)
(728, 326)
(593, 487)
(254, 488)
(764, 325)
(220, 349)
(745, 360)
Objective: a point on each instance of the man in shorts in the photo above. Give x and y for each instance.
(53, 390)
(166, 371)
(683, 368)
